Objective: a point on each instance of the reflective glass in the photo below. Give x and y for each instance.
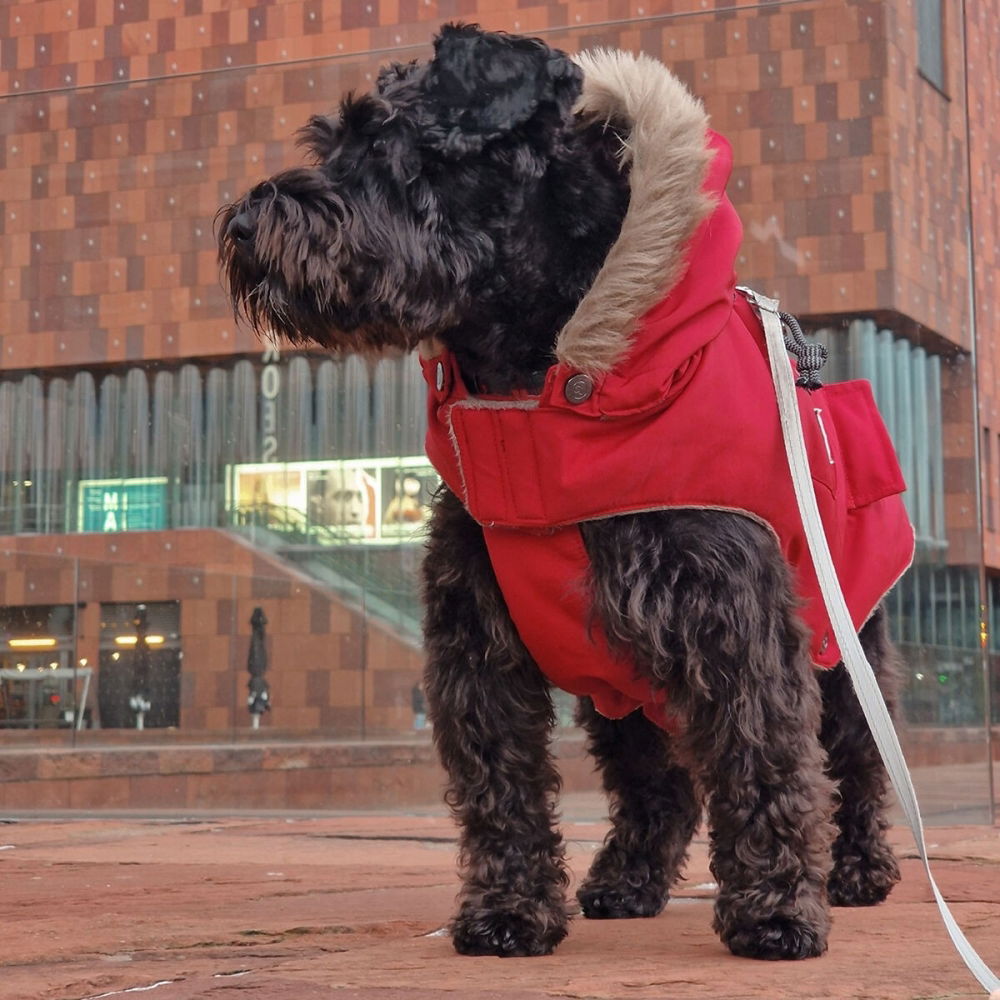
(154, 455)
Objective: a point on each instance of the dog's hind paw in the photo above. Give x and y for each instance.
(506, 934)
(863, 881)
(616, 902)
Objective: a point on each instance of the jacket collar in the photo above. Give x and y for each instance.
(666, 148)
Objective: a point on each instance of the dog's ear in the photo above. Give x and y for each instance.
(483, 84)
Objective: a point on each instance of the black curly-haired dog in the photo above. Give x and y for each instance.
(469, 204)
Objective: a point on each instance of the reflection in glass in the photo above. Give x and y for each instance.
(162, 415)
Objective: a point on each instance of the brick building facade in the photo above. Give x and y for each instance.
(866, 178)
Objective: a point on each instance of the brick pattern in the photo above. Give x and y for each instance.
(330, 671)
(262, 776)
(983, 29)
(959, 443)
(267, 775)
(799, 93)
(930, 218)
(126, 126)
(928, 173)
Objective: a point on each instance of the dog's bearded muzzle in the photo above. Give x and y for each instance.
(302, 262)
(290, 226)
(281, 250)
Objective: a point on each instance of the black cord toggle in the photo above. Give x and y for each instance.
(809, 357)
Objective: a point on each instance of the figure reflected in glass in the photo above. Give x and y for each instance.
(139, 701)
(342, 499)
(259, 698)
(405, 506)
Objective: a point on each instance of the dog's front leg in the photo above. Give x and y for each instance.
(753, 708)
(492, 717)
(704, 599)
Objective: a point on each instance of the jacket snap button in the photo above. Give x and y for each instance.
(439, 377)
(579, 388)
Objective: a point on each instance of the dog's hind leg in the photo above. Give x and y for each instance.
(653, 810)
(705, 601)
(864, 867)
(492, 717)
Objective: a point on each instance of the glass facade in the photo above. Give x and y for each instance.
(170, 437)
(154, 455)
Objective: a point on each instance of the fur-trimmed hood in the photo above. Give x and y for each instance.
(666, 148)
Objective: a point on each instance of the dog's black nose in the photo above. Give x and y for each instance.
(241, 228)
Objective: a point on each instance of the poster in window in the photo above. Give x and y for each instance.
(343, 500)
(366, 500)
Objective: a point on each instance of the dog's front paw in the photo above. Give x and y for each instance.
(858, 880)
(602, 901)
(777, 938)
(506, 933)
(758, 925)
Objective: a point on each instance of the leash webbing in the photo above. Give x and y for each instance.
(858, 668)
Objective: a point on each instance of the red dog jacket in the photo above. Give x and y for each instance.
(688, 419)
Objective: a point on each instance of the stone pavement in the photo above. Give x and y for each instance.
(353, 907)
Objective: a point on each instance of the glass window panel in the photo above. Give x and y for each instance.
(851, 185)
(930, 40)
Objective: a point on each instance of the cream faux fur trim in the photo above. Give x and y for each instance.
(665, 145)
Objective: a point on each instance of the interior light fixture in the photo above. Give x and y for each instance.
(131, 640)
(46, 642)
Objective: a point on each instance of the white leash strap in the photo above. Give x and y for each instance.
(858, 668)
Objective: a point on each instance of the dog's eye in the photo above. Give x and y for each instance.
(379, 147)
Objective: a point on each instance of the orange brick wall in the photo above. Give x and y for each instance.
(929, 214)
(261, 775)
(984, 107)
(126, 126)
(331, 672)
(125, 129)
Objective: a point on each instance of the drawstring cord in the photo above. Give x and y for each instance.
(809, 358)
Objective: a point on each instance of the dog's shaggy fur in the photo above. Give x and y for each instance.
(516, 207)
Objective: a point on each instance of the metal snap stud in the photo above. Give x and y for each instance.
(439, 376)
(579, 388)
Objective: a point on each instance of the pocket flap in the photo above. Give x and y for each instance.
(868, 457)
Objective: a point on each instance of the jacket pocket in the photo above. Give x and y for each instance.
(867, 456)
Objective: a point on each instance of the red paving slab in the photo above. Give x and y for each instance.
(353, 907)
